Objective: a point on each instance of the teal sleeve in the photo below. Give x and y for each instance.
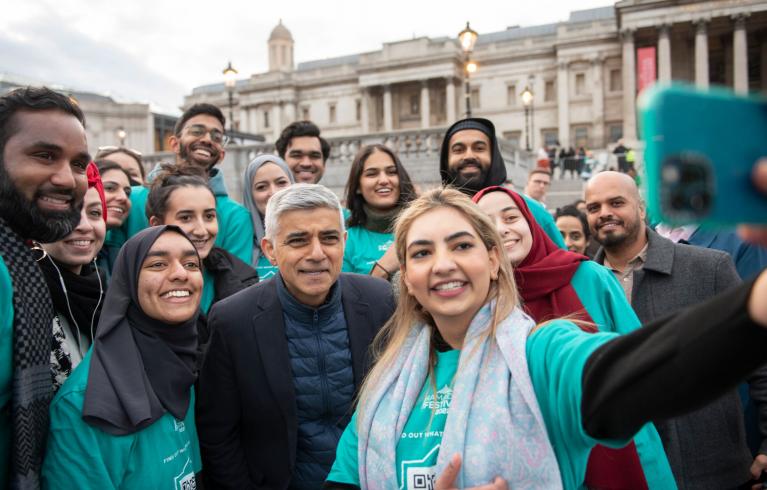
(235, 233)
(348, 265)
(556, 354)
(6, 368)
(346, 466)
(545, 221)
(603, 298)
(137, 219)
(79, 456)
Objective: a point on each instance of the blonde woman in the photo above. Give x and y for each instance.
(462, 374)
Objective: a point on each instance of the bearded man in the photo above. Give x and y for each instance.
(43, 160)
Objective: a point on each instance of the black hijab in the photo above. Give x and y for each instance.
(140, 367)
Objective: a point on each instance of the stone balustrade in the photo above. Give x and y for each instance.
(417, 149)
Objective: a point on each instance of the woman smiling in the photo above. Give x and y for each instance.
(125, 417)
(377, 190)
(462, 372)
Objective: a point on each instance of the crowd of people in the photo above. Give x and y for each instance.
(156, 333)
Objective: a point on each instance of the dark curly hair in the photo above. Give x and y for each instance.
(170, 178)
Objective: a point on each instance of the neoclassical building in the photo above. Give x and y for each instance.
(582, 72)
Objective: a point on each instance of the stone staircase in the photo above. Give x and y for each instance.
(564, 191)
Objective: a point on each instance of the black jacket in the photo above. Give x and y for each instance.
(246, 412)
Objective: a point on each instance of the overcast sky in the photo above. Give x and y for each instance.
(158, 50)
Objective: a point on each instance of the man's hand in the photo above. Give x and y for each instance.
(757, 234)
(446, 481)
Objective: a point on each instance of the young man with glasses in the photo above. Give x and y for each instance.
(199, 140)
(304, 150)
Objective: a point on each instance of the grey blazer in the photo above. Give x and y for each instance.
(706, 448)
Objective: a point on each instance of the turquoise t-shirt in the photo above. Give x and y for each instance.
(165, 455)
(6, 369)
(265, 268)
(603, 298)
(363, 248)
(557, 354)
(208, 291)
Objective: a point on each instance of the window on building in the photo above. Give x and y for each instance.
(615, 131)
(511, 95)
(332, 112)
(581, 136)
(305, 113)
(415, 105)
(550, 137)
(549, 93)
(266, 119)
(580, 83)
(616, 81)
(513, 138)
(475, 98)
(358, 110)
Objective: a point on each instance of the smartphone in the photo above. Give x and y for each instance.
(700, 150)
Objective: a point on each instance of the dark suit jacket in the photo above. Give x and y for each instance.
(706, 448)
(246, 410)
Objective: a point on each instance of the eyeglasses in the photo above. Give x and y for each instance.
(104, 151)
(199, 131)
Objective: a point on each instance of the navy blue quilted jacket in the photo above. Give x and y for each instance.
(318, 344)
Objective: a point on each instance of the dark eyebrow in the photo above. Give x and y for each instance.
(189, 252)
(509, 208)
(458, 234)
(296, 234)
(417, 243)
(157, 253)
(330, 232)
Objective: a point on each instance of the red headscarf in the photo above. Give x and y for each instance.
(544, 276)
(543, 279)
(94, 180)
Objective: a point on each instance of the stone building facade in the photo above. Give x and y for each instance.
(582, 73)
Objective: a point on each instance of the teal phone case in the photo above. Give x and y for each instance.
(713, 128)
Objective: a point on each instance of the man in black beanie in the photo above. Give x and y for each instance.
(470, 159)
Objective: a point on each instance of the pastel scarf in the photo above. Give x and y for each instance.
(492, 387)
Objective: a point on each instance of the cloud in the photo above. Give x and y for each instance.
(47, 49)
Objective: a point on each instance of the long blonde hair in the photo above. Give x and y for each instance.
(409, 314)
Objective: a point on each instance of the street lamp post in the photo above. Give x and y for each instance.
(121, 135)
(527, 101)
(229, 81)
(468, 38)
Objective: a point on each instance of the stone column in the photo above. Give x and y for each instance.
(629, 86)
(387, 109)
(598, 103)
(274, 121)
(425, 109)
(740, 55)
(563, 103)
(701, 54)
(450, 96)
(365, 110)
(664, 53)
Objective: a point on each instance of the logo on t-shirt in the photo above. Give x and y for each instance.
(439, 402)
(417, 475)
(178, 425)
(186, 481)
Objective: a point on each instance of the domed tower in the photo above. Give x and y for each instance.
(280, 49)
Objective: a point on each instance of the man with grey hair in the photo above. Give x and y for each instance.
(288, 355)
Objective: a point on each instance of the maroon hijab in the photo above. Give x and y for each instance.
(544, 276)
(543, 279)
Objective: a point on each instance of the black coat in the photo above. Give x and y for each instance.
(246, 411)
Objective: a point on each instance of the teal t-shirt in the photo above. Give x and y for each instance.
(6, 369)
(208, 291)
(165, 455)
(363, 248)
(603, 298)
(557, 354)
(265, 268)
